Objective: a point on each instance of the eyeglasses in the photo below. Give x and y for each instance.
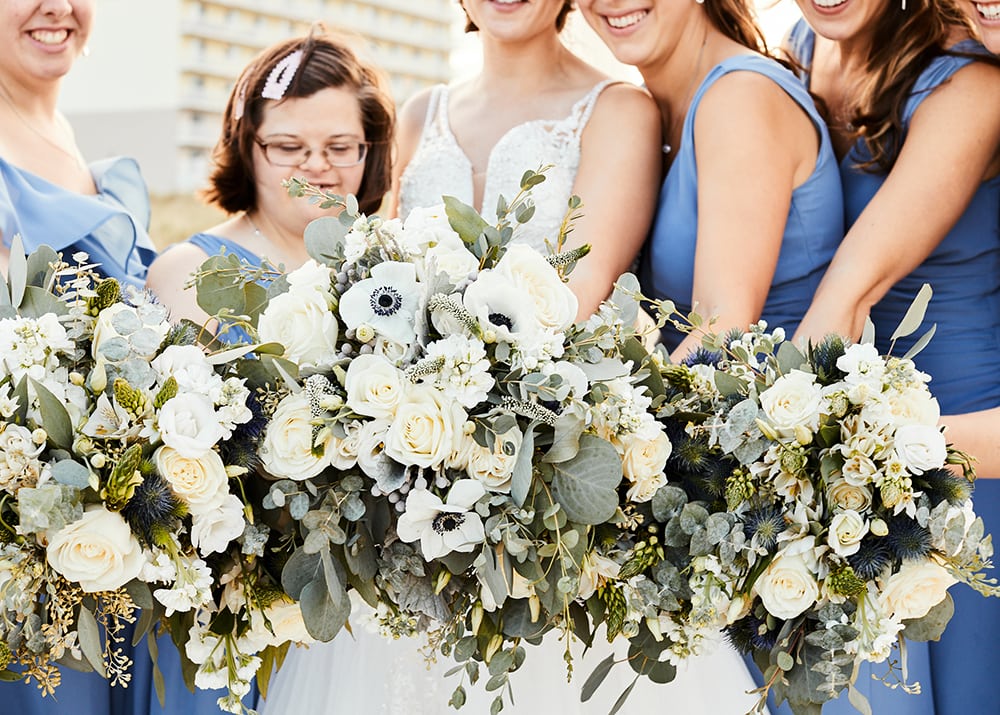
(341, 154)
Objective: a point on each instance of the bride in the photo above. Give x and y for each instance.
(534, 103)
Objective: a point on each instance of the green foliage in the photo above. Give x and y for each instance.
(587, 485)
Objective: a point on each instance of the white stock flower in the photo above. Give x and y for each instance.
(188, 423)
(920, 447)
(374, 386)
(863, 365)
(387, 301)
(465, 375)
(188, 365)
(32, 346)
(847, 528)
(443, 527)
(98, 551)
(425, 427)
(793, 401)
(915, 589)
(200, 482)
(304, 324)
(788, 586)
(555, 304)
(215, 530)
(287, 448)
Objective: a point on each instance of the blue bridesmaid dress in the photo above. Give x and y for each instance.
(111, 227)
(963, 359)
(813, 230)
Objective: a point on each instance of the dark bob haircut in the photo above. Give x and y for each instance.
(326, 62)
(470, 26)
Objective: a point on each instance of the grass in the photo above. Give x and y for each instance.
(176, 217)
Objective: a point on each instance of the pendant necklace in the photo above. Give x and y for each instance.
(690, 92)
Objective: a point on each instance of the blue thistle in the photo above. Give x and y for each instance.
(943, 485)
(872, 558)
(823, 357)
(241, 449)
(765, 523)
(745, 635)
(907, 539)
(702, 356)
(183, 333)
(153, 509)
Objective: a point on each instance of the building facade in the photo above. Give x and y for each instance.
(160, 71)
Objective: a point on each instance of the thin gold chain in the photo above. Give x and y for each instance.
(688, 95)
(74, 155)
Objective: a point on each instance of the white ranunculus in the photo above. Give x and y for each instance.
(200, 482)
(188, 423)
(500, 307)
(188, 365)
(98, 551)
(913, 407)
(915, 589)
(215, 530)
(644, 458)
(387, 301)
(425, 428)
(304, 324)
(374, 386)
(849, 496)
(794, 400)
(847, 528)
(863, 365)
(452, 259)
(287, 447)
(493, 468)
(443, 526)
(788, 586)
(920, 447)
(555, 304)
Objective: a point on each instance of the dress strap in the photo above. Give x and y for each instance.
(436, 119)
(585, 106)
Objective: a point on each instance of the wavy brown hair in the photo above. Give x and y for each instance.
(737, 20)
(326, 62)
(903, 45)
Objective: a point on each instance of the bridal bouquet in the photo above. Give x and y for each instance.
(443, 442)
(810, 512)
(115, 492)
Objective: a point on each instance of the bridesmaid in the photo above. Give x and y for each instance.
(915, 115)
(306, 107)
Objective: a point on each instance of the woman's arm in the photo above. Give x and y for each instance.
(952, 145)
(167, 276)
(618, 181)
(747, 171)
(977, 434)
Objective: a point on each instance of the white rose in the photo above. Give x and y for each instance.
(493, 468)
(425, 228)
(788, 586)
(214, 530)
(304, 324)
(425, 427)
(914, 406)
(452, 259)
(188, 365)
(920, 447)
(915, 589)
(310, 277)
(98, 551)
(645, 455)
(287, 626)
(849, 496)
(200, 482)
(374, 386)
(847, 528)
(287, 447)
(555, 304)
(794, 400)
(344, 450)
(188, 423)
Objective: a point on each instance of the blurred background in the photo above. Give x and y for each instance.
(159, 72)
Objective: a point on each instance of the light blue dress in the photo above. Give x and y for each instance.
(813, 230)
(958, 673)
(212, 245)
(111, 227)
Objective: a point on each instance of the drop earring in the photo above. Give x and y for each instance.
(85, 51)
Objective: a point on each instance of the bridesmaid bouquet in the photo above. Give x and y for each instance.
(115, 485)
(443, 442)
(810, 512)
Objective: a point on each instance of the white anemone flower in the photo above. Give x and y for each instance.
(387, 301)
(443, 527)
(501, 306)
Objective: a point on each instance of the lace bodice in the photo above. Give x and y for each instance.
(439, 165)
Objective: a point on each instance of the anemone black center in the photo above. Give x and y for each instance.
(386, 300)
(447, 521)
(500, 319)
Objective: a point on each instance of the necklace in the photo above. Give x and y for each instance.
(688, 94)
(74, 155)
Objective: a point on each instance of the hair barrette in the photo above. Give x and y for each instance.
(241, 98)
(281, 76)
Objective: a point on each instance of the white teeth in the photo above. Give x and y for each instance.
(50, 37)
(627, 20)
(829, 3)
(507, 2)
(989, 12)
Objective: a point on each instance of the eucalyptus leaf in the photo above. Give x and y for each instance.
(36, 302)
(17, 271)
(921, 343)
(789, 357)
(914, 314)
(324, 237)
(140, 593)
(586, 486)
(620, 702)
(520, 483)
(566, 439)
(517, 621)
(323, 617)
(55, 418)
(300, 569)
(599, 674)
(729, 385)
(464, 219)
(70, 473)
(623, 298)
(39, 267)
(932, 625)
(90, 640)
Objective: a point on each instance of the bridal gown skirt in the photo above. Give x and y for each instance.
(367, 674)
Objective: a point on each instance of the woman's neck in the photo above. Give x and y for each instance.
(36, 101)
(524, 68)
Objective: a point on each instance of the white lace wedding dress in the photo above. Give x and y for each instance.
(365, 674)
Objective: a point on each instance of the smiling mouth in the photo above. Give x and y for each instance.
(988, 12)
(624, 21)
(49, 37)
(829, 4)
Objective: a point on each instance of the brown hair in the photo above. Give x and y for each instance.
(736, 20)
(564, 11)
(903, 44)
(326, 62)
